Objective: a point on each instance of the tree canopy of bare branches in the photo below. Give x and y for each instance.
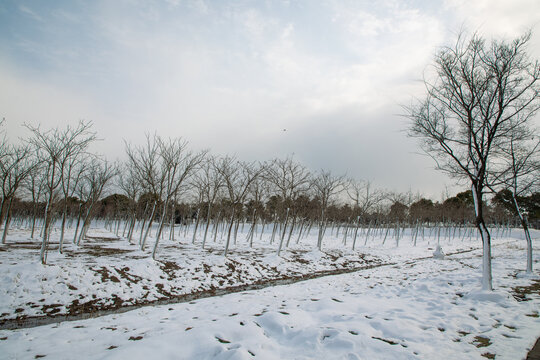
(479, 93)
(55, 147)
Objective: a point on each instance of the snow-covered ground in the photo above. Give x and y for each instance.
(413, 307)
(107, 272)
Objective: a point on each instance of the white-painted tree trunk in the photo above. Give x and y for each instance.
(143, 240)
(528, 239)
(487, 281)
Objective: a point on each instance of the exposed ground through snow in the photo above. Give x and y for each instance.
(107, 274)
(89, 311)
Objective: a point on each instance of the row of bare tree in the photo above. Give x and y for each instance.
(59, 179)
(50, 167)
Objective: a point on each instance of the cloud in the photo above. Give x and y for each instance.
(30, 13)
(232, 76)
(499, 18)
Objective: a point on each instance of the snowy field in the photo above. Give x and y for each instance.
(402, 304)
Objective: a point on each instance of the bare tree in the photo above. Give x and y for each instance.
(74, 168)
(364, 196)
(145, 162)
(130, 186)
(95, 179)
(209, 182)
(177, 164)
(237, 178)
(162, 166)
(54, 148)
(520, 175)
(326, 186)
(258, 191)
(480, 92)
(290, 179)
(14, 168)
(35, 184)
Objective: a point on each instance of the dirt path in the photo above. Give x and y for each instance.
(534, 354)
(34, 321)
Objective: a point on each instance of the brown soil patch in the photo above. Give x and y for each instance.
(522, 293)
(97, 250)
(481, 341)
(106, 275)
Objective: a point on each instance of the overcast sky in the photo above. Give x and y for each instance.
(258, 79)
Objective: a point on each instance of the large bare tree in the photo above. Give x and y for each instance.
(478, 94)
(54, 148)
(177, 165)
(162, 166)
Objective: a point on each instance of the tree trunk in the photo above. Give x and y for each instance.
(528, 239)
(283, 235)
(274, 229)
(150, 221)
(34, 215)
(208, 213)
(8, 219)
(2, 209)
(45, 239)
(285, 223)
(252, 230)
(78, 223)
(132, 226)
(291, 231)
(301, 229)
(62, 227)
(86, 224)
(229, 232)
(236, 230)
(355, 232)
(171, 231)
(197, 220)
(487, 281)
(216, 225)
(321, 231)
(162, 222)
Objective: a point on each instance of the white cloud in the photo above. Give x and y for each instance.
(30, 13)
(499, 18)
(232, 76)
